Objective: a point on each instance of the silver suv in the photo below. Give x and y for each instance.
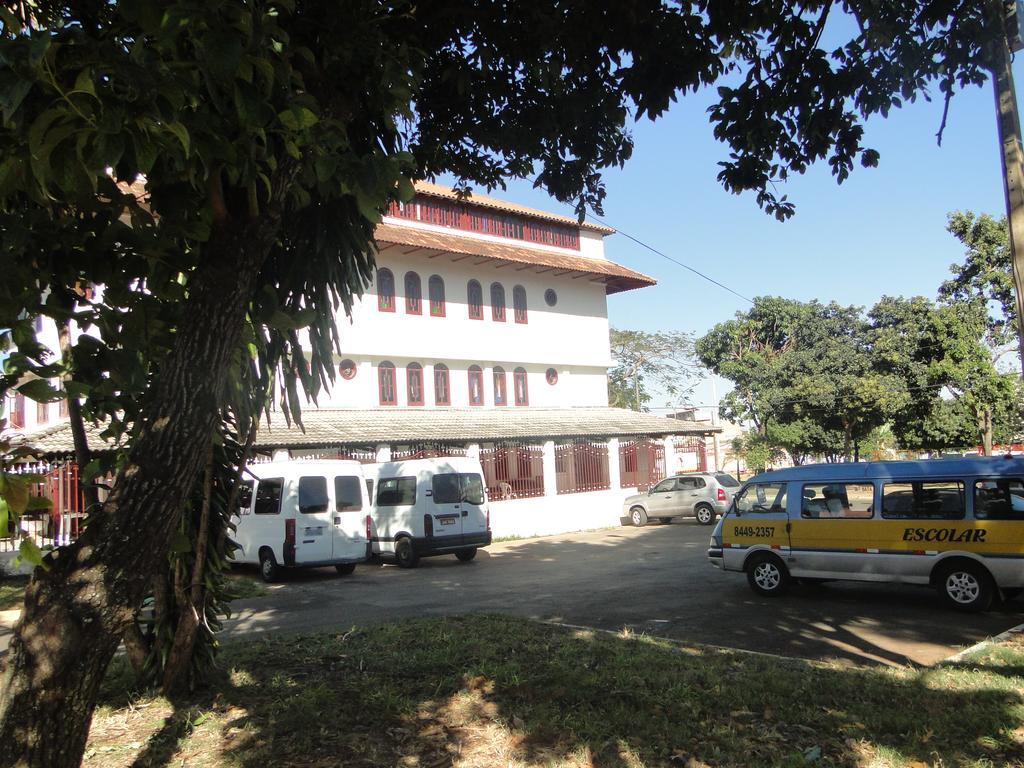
(703, 495)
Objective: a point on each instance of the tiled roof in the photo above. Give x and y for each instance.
(615, 277)
(337, 427)
(437, 190)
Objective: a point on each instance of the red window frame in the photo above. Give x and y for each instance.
(476, 376)
(521, 386)
(414, 383)
(442, 388)
(386, 383)
(413, 294)
(497, 302)
(475, 300)
(500, 388)
(385, 290)
(435, 290)
(18, 412)
(519, 304)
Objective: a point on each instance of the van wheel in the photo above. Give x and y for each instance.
(270, 571)
(966, 586)
(465, 555)
(638, 517)
(767, 575)
(404, 554)
(705, 514)
(345, 568)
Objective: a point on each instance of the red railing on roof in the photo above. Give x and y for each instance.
(467, 217)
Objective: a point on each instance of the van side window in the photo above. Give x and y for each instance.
(762, 498)
(243, 500)
(445, 486)
(999, 499)
(472, 488)
(312, 495)
(396, 491)
(268, 497)
(934, 500)
(838, 500)
(348, 495)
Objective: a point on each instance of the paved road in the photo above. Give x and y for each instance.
(654, 579)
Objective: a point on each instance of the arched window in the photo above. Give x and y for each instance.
(475, 300)
(385, 290)
(442, 394)
(386, 383)
(497, 302)
(476, 385)
(519, 384)
(519, 303)
(413, 294)
(435, 288)
(414, 383)
(500, 395)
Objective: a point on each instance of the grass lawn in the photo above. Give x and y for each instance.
(498, 691)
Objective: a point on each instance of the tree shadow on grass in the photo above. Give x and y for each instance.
(491, 690)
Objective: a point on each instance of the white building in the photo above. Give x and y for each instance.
(485, 333)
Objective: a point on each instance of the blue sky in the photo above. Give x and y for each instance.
(880, 232)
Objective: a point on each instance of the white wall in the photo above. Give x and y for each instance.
(573, 332)
(575, 386)
(547, 515)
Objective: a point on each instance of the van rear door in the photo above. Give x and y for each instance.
(350, 541)
(314, 534)
(474, 506)
(446, 511)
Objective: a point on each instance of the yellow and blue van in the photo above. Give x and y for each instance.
(956, 524)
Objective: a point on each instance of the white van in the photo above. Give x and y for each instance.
(303, 514)
(425, 507)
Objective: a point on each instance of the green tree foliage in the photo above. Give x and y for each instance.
(218, 168)
(663, 361)
(803, 374)
(986, 275)
(957, 397)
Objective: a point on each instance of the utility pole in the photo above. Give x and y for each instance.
(714, 422)
(1008, 121)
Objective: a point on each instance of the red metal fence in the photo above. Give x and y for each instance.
(63, 522)
(641, 463)
(513, 470)
(694, 444)
(581, 466)
(426, 451)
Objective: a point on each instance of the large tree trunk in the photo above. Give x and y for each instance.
(985, 429)
(76, 611)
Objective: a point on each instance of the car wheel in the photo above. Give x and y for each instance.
(345, 568)
(404, 554)
(270, 571)
(767, 574)
(465, 555)
(966, 586)
(705, 514)
(638, 516)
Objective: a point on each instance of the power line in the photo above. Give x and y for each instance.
(654, 250)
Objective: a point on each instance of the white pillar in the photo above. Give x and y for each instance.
(671, 465)
(281, 454)
(550, 477)
(383, 452)
(614, 478)
(473, 451)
